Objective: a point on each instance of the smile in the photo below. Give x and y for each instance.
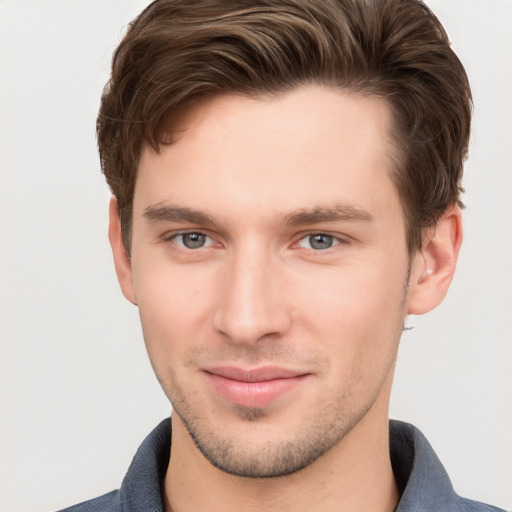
(256, 388)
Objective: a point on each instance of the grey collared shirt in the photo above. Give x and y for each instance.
(423, 481)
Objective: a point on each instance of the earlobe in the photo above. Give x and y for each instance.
(433, 267)
(121, 260)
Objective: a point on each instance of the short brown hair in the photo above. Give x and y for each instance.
(179, 51)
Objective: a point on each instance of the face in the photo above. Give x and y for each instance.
(270, 268)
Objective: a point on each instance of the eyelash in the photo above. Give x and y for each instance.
(174, 236)
(336, 240)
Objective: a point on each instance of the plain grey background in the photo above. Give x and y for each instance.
(77, 391)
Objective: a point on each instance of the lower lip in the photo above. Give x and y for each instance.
(253, 394)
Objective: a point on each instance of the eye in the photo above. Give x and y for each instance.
(318, 241)
(192, 240)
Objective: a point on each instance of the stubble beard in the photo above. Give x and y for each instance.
(287, 456)
(294, 449)
(274, 458)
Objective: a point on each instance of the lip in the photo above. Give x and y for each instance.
(255, 387)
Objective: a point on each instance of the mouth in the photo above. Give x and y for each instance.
(253, 388)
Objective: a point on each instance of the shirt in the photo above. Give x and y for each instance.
(421, 478)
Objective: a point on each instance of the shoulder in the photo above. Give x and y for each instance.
(421, 477)
(109, 502)
(476, 506)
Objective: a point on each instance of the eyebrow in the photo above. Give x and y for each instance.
(302, 217)
(177, 214)
(337, 212)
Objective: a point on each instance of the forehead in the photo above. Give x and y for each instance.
(303, 148)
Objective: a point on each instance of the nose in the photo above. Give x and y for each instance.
(253, 302)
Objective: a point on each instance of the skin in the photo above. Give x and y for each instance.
(253, 180)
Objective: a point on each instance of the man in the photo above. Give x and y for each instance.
(286, 180)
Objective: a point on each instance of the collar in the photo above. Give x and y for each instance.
(422, 480)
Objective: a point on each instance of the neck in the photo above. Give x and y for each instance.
(355, 475)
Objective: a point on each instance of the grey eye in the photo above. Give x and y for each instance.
(318, 242)
(321, 241)
(192, 240)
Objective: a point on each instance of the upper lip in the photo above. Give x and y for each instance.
(260, 374)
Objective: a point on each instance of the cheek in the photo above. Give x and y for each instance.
(172, 305)
(167, 289)
(369, 293)
(357, 326)
(356, 314)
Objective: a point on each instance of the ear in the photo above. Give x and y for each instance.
(121, 259)
(434, 265)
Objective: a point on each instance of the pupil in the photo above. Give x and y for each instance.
(193, 240)
(320, 241)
